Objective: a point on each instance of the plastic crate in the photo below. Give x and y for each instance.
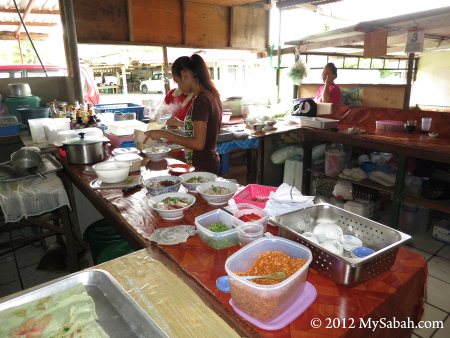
(254, 194)
(122, 108)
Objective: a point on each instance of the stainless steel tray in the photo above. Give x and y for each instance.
(49, 164)
(343, 270)
(318, 122)
(118, 314)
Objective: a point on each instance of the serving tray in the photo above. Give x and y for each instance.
(118, 314)
(49, 164)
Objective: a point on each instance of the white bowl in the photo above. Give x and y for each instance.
(135, 159)
(112, 171)
(156, 153)
(172, 214)
(215, 199)
(193, 186)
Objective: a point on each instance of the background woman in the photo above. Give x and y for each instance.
(203, 119)
(329, 91)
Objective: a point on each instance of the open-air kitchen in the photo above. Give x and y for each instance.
(220, 218)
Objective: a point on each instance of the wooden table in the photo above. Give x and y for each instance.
(397, 293)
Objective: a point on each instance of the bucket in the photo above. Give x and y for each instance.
(100, 235)
(114, 251)
(413, 220)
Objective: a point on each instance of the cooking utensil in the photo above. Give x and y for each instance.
(19, 89)
(84, 150)
(274, 275)
(132, 188)
(27, 159)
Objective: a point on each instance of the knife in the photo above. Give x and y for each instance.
(131, 188)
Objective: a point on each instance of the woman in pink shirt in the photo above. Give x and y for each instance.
(329, 91)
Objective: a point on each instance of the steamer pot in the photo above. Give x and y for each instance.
(19, 89)
(84, 150)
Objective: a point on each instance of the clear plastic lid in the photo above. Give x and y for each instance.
(8, 120)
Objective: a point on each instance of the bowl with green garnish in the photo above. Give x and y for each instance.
(192, 180)
(217, 229)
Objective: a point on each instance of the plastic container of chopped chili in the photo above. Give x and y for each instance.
(249, 213)
(266, 302)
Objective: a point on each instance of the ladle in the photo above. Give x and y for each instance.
(274, 275)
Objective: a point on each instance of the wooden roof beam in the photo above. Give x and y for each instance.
(33, 11)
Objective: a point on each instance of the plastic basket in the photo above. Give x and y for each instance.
(254, 194)
(122, 108)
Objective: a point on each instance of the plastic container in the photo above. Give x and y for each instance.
(266, 302)
(218, 240)
(9, 125)
(249, 232)
(33, 113)
(254, 194)
(136, 161)
(241, 209)
(13, 103)
(119, 249)
(119, 141)
(226, 115)
(335, 158)
(389, 125)
(122, 108)
(100, 235)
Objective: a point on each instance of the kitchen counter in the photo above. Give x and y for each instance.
(398, 292)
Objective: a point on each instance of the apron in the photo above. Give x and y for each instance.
(189, 130)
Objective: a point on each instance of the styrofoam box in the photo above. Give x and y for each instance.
(441, 230)
(218, 240)
(248, 209)
(266, 302)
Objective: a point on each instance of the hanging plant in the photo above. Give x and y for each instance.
(298, 71)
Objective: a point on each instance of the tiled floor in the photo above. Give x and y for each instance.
(18, 270)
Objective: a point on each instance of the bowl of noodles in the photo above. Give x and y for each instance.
(217, 192)
(192, 180)
(172, 205)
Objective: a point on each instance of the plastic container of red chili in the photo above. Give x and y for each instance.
(266, 302)
(249, 213)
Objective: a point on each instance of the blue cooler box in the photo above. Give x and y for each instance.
(124, 108)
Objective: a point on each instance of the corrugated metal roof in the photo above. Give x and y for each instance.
(40, 17)
(434, 23)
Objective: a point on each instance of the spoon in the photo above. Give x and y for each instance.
(273, 275)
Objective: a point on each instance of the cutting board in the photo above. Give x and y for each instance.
(129, 181)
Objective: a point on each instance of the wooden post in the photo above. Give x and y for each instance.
(407, 96)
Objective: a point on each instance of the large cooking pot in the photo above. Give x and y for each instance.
(19, 89)
(84, 150)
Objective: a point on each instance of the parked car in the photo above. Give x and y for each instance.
(156, 84)
(90, 91)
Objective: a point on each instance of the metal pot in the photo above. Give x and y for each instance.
(19, 89)
(84, 150)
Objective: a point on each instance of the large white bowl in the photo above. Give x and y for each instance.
(112, 171)
(156, 153)
(171, 214)
(193, 186)
(217, 199)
